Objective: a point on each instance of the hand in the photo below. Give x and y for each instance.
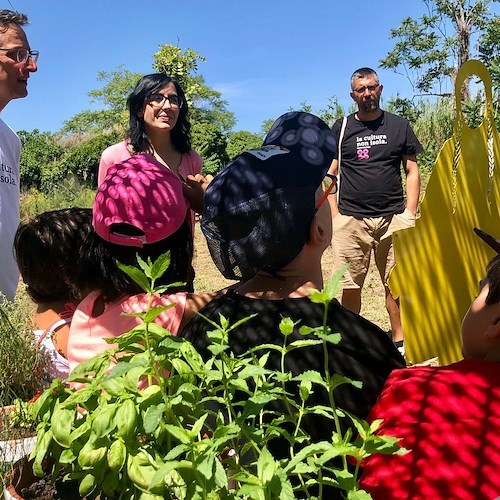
(194, 190)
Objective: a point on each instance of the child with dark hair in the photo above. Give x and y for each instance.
(448, 417)
(139, 210)
(46, 249)
(267, 223)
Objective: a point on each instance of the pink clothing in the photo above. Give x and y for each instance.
(449, 417)
(190, 162)
(190, 165)
(87, 333)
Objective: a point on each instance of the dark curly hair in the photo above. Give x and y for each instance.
(47, 249)
(137, 136)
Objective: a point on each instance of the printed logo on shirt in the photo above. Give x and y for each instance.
(7, 174)
(266, 152)
(363, 144)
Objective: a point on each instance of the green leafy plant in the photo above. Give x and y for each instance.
(69, 194)
(161, 422)
(21, 415)
(22, 363)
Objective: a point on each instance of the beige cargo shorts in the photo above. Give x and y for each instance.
(354, 239)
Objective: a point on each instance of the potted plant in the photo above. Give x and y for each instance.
(17, 431)
(133, 432)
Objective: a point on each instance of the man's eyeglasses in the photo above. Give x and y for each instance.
(158, 100)
(22, 55)
(330, 187)
(370, 88)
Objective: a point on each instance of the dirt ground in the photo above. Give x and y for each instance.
(208, 279)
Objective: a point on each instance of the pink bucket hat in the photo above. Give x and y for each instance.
(139, 202)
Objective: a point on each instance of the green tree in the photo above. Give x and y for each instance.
(241, 141)
(404, 107)
(489, 53)
(428, 53)
(82, 160)
(332, 111)
(206, 104)
(40, 151)
(117, 86)
(266, 126)
(211, 144)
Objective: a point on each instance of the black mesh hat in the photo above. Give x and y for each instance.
(259, 208)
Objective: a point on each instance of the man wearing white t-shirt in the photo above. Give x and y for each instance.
(17, 61)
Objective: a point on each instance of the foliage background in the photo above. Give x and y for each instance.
(427, 51)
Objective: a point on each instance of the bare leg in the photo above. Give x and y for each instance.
(392, 306)
(351, 299)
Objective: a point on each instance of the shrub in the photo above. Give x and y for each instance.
(23, 364)
(68, 194)
(210, 142)
(40, 150)
(81, 161)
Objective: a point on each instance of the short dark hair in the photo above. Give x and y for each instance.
(146, 86)
(98, 269)
(46, 249)
(10, 17)
(363, 73)
(493, 278)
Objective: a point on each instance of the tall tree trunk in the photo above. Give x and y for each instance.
(462, 22)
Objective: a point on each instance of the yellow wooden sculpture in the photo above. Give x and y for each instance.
(440, 261)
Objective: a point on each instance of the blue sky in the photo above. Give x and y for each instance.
(265, 56)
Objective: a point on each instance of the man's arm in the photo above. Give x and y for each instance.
(412, 182)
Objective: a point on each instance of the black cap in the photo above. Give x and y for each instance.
(259, 208)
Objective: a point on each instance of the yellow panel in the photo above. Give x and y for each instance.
(440, 261)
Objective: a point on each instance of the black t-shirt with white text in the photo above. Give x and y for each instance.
(370, 170)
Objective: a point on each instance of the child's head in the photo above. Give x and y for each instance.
(139, 209)
(47, 249)
(259, 208)
(481, 324)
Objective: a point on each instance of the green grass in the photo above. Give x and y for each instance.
(68, 194)
(21, 361)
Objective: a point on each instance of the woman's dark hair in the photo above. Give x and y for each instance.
(146, 86)
(98, 269)
(47, 250)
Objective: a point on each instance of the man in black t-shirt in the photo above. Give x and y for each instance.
(373, 144)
